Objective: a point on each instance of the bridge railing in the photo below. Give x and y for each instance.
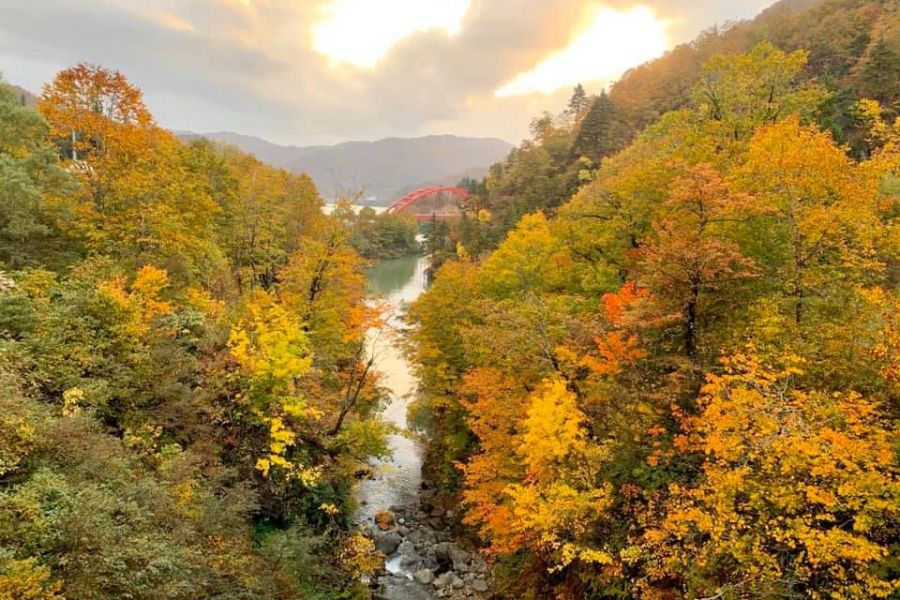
(413, 197)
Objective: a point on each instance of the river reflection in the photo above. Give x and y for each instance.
(397, 479)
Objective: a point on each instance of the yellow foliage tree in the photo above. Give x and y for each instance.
(26, 580)
(141, 302)
(135, 197)
(797, 494)
(271, 347)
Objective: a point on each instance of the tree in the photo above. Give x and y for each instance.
(880, 72)
(796, 495)
(184, 386)
(578, 103)
(818, 207)
(135, 198)
(26, 580)
(763, 86)
(689, 262)
(530, 259)
(597, 135)
(563, 373)
(30, 223)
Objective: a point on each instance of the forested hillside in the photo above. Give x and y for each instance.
(664, 364)
(185, 393)
(852, 50)
(853, 46)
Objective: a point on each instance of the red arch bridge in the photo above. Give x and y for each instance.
(440, 203)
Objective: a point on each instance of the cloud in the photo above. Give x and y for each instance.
(356, 31)
(613, 42)
(253, 66)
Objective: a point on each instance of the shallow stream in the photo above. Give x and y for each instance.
(396, 479)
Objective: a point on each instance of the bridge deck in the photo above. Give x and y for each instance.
(425, 196)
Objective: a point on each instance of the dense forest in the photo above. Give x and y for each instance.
(380, 235)
(185, 392)
(659, 357)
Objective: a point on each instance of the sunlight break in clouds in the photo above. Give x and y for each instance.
(362, 32)
(614, 42)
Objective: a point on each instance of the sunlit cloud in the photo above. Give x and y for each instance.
(613, 42)
(173, 22)
(362, 32)
(379, 68)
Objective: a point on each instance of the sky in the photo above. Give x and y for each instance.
(324, 71)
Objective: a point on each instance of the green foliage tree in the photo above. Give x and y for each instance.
(384, 235)
(598, 134)
(31, 222)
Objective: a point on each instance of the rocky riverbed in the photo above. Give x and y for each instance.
(394, 510)
(423, 562)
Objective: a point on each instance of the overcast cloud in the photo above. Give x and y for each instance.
(250, 65)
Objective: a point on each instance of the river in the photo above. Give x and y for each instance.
(423, 562)
(397, 478)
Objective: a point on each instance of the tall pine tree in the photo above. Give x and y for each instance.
(596, 136)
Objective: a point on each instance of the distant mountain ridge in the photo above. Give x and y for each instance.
(382, 169)
(26, 97)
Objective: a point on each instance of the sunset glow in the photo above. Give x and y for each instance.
(362, 32)
(613, 42)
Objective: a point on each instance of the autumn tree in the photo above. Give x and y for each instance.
(689, 262)
(181, 417)
(135, 198)
(797, 493)
(821, 213)
(563, 373)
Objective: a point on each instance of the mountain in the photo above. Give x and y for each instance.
(853, 48)
(382, 169)
(25, 97)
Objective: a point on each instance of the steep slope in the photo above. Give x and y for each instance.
(853, 51)
(849, 43)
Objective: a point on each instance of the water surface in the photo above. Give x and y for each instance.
(397, 478)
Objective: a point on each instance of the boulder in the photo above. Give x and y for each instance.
(424, 576)
(449, 554)
(385, 520)
(480, 585)
(442, 554)
(444, 580)
(388, 543)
